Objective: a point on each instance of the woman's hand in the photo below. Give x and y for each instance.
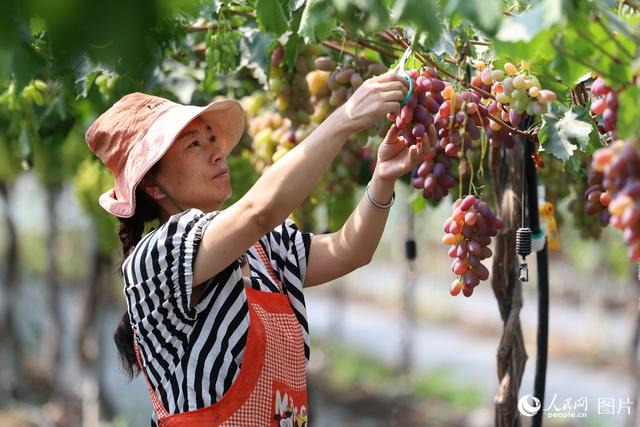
(396, 159)
(373, 100)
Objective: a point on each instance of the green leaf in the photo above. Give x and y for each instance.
(410, 64)
(25, 148)
(628, 123)
(534, 50)
(271, 16)
(424, 14)
(254, 52)
(564, 131)
(485, 14)
(317, 22)
(523, 27)
(291, 49)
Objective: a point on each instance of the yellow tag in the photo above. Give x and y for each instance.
(547, 214)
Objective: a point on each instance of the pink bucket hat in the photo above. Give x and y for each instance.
(132, 135)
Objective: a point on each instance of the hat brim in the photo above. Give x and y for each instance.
(226, 117)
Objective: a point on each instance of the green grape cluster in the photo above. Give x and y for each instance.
(289, 87)
(106, 85)
(222, 50)
(34, 93)
(273, 137)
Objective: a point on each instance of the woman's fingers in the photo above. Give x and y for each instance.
(391, 107)
(392, 87)
(392, 135)
(395, 95)
(392, 77)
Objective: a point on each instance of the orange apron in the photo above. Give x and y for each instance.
(271, 388)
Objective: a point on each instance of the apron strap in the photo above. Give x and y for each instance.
(267, 263)
(158, 407)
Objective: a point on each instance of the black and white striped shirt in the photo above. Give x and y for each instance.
(192, 355)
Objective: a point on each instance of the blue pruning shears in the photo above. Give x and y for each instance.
(399, 69)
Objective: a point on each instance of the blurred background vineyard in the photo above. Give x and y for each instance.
(378, 357)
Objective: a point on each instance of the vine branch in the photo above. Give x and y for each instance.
(446, 72)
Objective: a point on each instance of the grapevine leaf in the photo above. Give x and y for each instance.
(418, 203)
(445, 44)
(85, 73)
(421, 13)
(411, 63)
(564, 131)
(485, 14)
(291, 49)
(254, 52)
(271, 16)
(628, 123)
(534, 50)
(318, 20)
(26, 64)
(26, 149)
(523, 27)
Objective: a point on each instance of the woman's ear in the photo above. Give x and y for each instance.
(148, 186)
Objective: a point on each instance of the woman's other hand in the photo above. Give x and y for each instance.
(373, 100)
(396, 159)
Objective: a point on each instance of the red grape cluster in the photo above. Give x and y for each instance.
(469, 230)
(598, 198)
(417, 113)
(620, 167)
(606, 104)
(434, 176)
(459, 120)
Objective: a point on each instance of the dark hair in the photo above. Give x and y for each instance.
(130, 233)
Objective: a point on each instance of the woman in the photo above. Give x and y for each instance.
(216, 317)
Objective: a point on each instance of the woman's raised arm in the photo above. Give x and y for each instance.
(286, 184)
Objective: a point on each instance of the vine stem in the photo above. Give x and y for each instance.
(613, 37)
(586, 64)
(424, 59)
(331, 45)
(597, 46)
(366, 44)
(631, 4)
(480, 43)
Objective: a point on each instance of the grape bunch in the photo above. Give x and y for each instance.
(459, 120)
(290, 88)
(605, 103)
(344, 80)
(331, 85)
(516, 95)
(320, 93)
(434, 176)
(468, 232)
(222, 50)
(273, 137)
(598, 199)
(619, 164)
(417, 114)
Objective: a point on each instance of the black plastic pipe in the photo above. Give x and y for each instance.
(542, 344)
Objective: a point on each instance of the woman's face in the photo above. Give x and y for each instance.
(194, 171)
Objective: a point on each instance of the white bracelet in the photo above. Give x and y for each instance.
(376, 204)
